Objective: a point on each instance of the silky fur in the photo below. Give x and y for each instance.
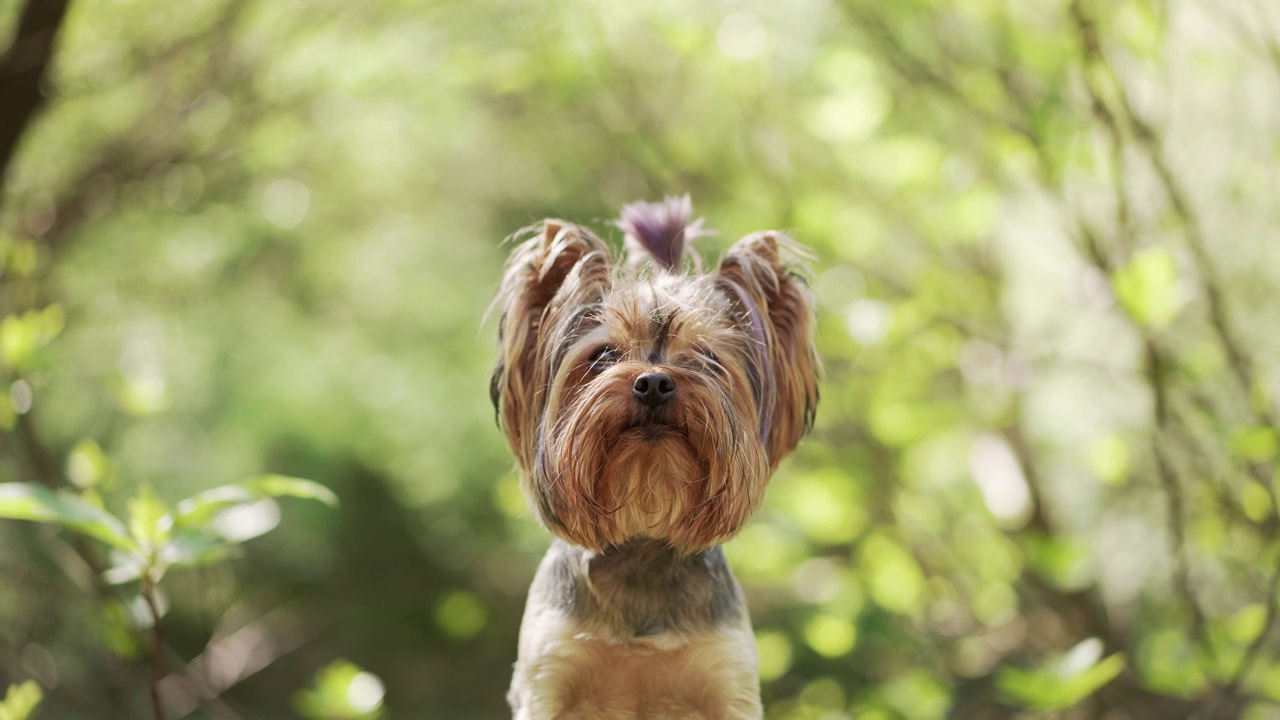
(601, 469)
(641, 631)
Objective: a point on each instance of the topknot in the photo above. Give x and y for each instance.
(662, 230)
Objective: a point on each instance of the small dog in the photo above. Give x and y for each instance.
(647, 407)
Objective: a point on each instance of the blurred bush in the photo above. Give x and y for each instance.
(240, 236)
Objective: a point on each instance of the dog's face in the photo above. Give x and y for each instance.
(645, 402)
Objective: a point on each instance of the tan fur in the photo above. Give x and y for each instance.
(758, 263)
(566, 673)
(714, 472)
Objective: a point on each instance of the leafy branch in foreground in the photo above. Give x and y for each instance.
(153, 538)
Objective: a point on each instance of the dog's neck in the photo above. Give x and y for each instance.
(644, 588)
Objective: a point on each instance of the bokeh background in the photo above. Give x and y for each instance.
(247, 236)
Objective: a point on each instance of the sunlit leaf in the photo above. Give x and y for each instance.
(1256, 501)
(763, 550)
(87, 465)
(1147, 288)
(1255, 444)
(830, 636)
(1169, 663)
(892, 575)
(200, 510)
(22, 335)
(342, 691)
(116, 631)
(1110, 459)
(141, 394)
(285, 486)
(148, 518)
(20, 701)
(918, 695)
(22, 501)
(1064, 681)
(774, 650)
(1066, 563)
(1247, 623)
(826, 504)
(460, 614)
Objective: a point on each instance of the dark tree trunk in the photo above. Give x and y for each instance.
(21, 68)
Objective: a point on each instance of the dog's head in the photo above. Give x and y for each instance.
(644, 400)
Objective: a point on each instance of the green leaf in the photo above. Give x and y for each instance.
(773, 647)
(149, 521)
(1170, 662)
(183, 549)
(285, 486)
(1065, 562)
(1063, 682)
(342, 691)
(1110, 459)
(88, 466)
(461, 615)
(202, 529)
(826, 504)
(831, 636)
(1255, 500)
(190, 549)
(116, 630)
(125, 567)
(24, 501)
(1147, 288)
(21, 335)
(1247, 623)
(200, 510)
(1255, 444)
(21, 701)
(892, 574)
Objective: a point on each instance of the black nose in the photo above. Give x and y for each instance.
(654, 389)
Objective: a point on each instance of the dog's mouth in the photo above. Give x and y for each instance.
(652, 427)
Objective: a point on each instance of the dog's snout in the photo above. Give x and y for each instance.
(653, 389)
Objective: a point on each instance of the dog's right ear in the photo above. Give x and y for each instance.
(557, 268)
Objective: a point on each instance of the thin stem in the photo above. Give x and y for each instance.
(157, 645)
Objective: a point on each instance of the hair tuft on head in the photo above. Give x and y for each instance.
(662, 230)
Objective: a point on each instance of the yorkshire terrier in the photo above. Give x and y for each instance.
(647, 404)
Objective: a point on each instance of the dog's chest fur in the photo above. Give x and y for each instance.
(637, 632)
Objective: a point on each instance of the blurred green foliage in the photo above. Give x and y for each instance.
(20, 701)
(342, 691)
(246, 236)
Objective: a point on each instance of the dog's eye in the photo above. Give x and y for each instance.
(603, 358)
(710, 361)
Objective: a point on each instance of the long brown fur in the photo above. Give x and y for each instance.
(604, 471)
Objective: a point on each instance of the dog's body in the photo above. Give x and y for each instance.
(636, 632)
(647, 408)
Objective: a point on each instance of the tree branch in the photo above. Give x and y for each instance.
(21, 69)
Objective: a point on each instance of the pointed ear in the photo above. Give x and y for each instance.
(558, 268)
(760, 274)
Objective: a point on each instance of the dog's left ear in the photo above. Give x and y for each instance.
(760, 273)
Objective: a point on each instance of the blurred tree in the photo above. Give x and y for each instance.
(246, 236)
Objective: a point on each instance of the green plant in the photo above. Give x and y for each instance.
(153, 538)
